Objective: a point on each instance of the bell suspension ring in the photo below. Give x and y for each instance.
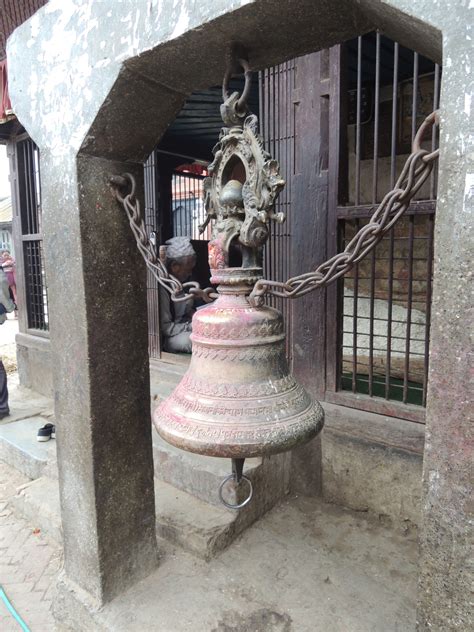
(238, 398)
(236, 477)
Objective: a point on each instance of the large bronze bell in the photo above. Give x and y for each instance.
(238, 398)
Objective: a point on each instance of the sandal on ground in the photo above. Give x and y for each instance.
(46, 432)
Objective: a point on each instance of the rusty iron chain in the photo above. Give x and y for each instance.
(178, 291)
(415, 172)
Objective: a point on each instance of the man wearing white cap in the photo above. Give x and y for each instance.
(175, 318)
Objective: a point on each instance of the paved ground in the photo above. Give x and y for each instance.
(305, 567)
(29, 564)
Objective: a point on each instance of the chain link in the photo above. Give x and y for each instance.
(415, 172)
(178, 291)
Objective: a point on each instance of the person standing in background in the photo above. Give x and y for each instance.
(6, 305)
(9, 266)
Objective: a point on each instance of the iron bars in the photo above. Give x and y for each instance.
(415, 172)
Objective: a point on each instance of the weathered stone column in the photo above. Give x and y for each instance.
(99, 342)
(447, 534)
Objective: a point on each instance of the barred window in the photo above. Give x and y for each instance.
(187, 205)
(29, 210)
(385, 304)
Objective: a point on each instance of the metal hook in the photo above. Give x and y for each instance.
(125, 181)
(242, 102)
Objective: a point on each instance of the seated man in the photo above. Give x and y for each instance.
(175, 318)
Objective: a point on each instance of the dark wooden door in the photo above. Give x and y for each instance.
(294, 110)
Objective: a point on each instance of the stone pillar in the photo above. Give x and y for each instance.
(97, 301)
(447, 528)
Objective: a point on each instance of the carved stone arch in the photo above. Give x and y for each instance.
(120, 131)
(99, 105)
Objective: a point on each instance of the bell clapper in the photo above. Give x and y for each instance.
(237, 477)
(238, 469)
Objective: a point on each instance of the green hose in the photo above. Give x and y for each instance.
(13, 612)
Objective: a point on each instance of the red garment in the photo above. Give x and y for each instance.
(11, 278)
(8, 264)
(6, 111)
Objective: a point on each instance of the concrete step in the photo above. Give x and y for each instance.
(165, 375)
(193, 473)
(160, 391)
(192, 524)
(38, 503)
(25, 403)
(180, 518)
(20, 449)
(161, 370)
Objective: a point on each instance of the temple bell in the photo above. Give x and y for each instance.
(238, 398)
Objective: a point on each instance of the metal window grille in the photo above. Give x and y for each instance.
(29, 198)
(152, 226)
(385, 304)
(187, 205)
(35, 285)
(277, 121)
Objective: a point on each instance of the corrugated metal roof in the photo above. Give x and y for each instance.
(196, 129)
(12, 14)
(5, 210)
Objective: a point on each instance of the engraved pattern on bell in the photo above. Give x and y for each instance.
(238, 399)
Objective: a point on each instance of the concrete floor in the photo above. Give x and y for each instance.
(305, 567)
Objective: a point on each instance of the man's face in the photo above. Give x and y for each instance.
(182, 268)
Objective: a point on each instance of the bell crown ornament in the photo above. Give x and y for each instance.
(238, 398)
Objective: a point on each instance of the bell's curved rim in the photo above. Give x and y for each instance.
(232, 449)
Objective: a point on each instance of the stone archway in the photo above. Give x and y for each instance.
(96, 85)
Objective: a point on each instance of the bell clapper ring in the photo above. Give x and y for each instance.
(237, 476)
